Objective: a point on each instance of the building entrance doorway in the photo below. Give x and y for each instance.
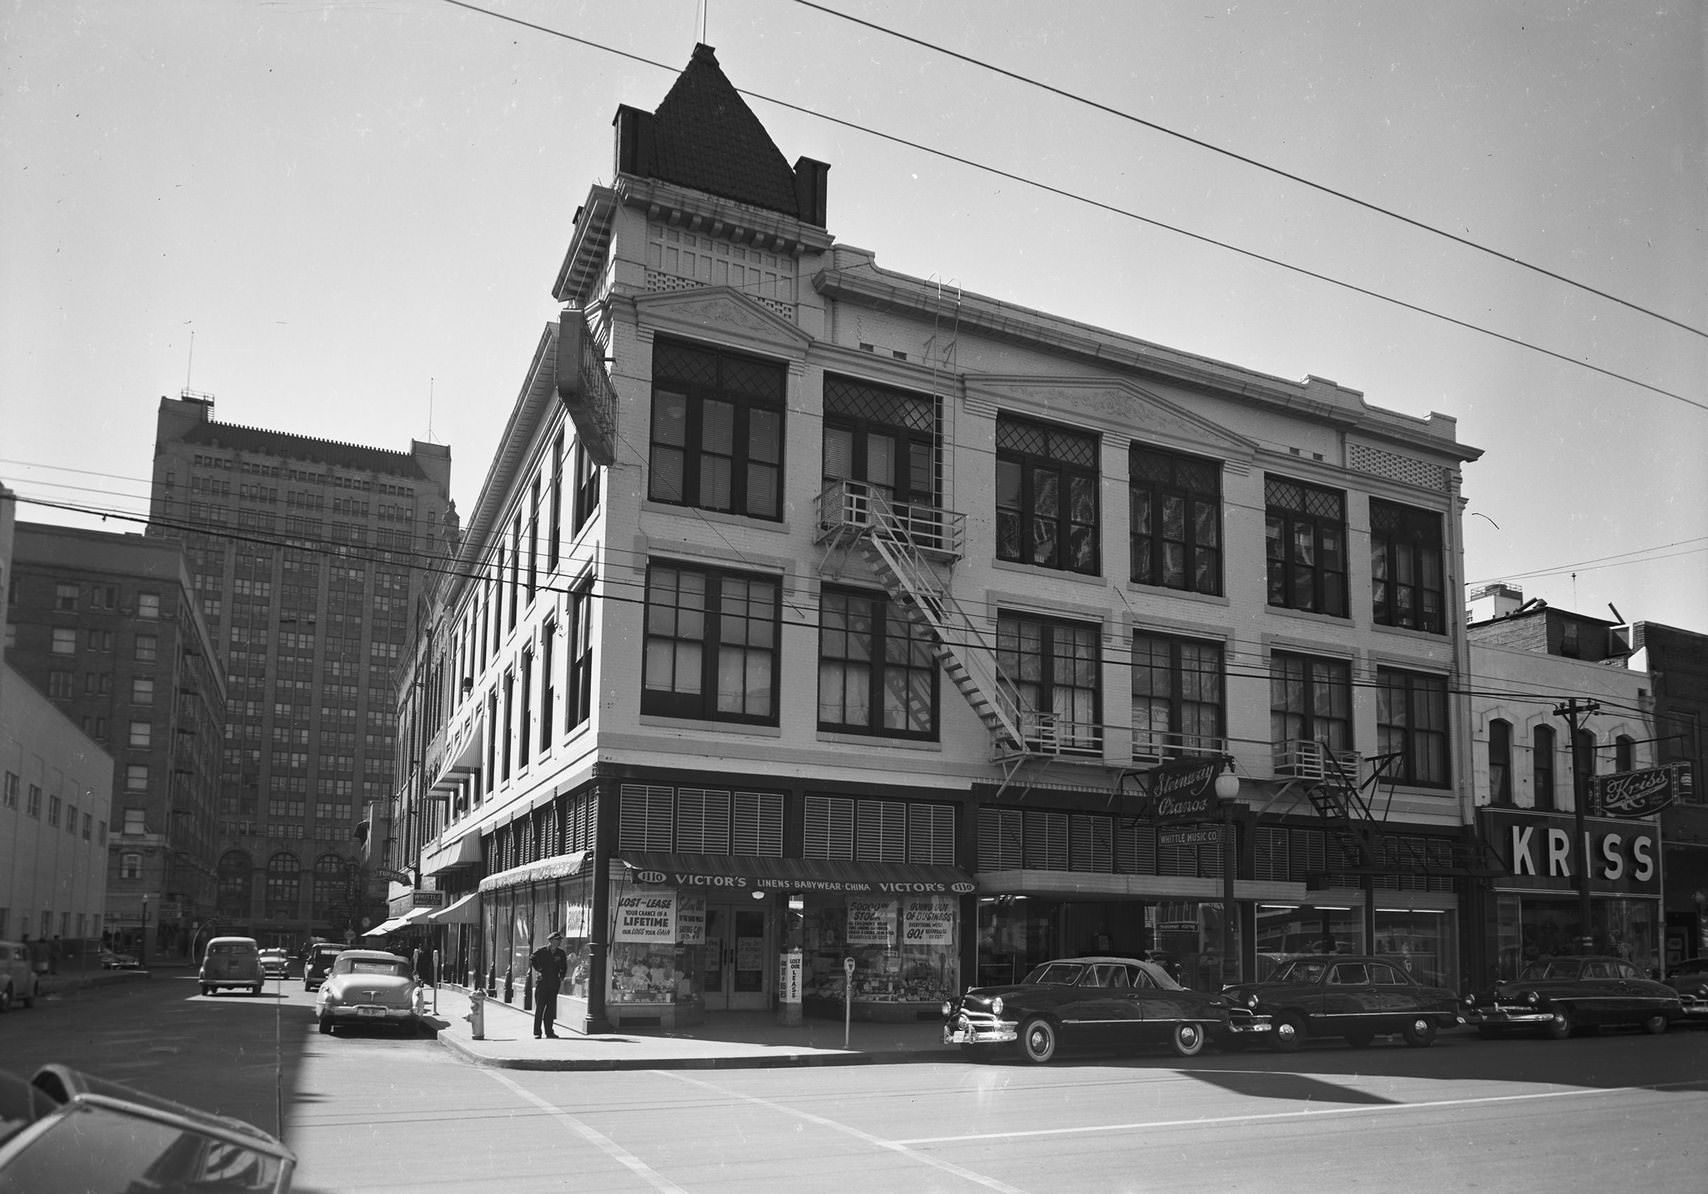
(738, 957)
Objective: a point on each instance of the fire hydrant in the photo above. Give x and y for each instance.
(477, 1015)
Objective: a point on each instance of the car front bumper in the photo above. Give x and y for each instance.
(964, 1028)
(1520, 1016)
(1248, 1025)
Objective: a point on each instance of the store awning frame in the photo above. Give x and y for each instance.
(745, 872)
(384, 927)
(464, 851)
(463, 911)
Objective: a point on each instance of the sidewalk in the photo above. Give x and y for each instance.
(729, 1040)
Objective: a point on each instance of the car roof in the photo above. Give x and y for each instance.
(371, 955)
(231, 941)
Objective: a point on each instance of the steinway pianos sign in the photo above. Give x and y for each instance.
(1184, 790)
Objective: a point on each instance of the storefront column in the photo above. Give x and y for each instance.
(598, 947)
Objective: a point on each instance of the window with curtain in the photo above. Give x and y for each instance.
(1500, 762)
(1046, 495)
(1542, 768)
(1305, 544)
(717, 430)
(1175, 520)
(1411, 721)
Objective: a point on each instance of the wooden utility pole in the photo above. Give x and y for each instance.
(1571, 711)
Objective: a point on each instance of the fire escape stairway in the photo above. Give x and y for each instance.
(966, 657)
(1345, 810)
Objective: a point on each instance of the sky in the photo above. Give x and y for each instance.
(344, 220)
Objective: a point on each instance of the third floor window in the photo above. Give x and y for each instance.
(717, 430)
(1405, 567)
(1046, 496)
(1305, 538)
(1175, 503)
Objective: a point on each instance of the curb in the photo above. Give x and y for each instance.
(737, 1061)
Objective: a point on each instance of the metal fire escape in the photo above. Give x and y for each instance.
(908, 549)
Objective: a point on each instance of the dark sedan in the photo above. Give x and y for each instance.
(1558, 996)
(1353, 997)
(1690, 979)
(1094, 1002)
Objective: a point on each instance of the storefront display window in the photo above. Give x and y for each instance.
(1425, 944)
(1624, 928)
(1286, 931)
(905, 949)
(658, 939)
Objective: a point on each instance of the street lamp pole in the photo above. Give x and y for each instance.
(142, 943)
(1227, 787)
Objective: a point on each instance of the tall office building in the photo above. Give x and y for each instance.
(308, 557)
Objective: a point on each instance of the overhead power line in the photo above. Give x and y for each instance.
(1075, 97)
(1112, 209)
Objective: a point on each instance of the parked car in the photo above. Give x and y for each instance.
(370, 987)
(65, 1130)
(111, 960)
(1352, 996)
(1558, 996)
(1092, 1002)
(17, 977)
(1690, 979)
(232, 962)
(318, 963)
(274, 963)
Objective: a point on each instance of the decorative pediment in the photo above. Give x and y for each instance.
(725, 313)
(1113, 407)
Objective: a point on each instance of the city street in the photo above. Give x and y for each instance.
(380, 1113)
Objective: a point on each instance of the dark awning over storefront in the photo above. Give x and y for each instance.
(741, 872)
(465, 911)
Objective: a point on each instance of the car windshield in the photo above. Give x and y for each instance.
(1065, 973)
(397, 967)
(219, 949)
(1559, 968)
(1300, 970)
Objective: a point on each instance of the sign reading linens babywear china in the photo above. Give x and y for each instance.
(646, 917)
(871, 922)
(928, 922)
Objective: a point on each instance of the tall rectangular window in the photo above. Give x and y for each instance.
(1406, 587)
(578, 663)
(533, 537)
(1305, 541)
(1500, 761)
(554, 517)
(526, 727)
(1175, 509)
(1310, 700)
(586, 486)
(712, 640)
(1411, 719)
(1046, 496)
(883, 438)
(1054, 666)
(508, 749)
(515, 569)
(1542, 768)
(65, 640)
(717, 430)
(548, 683)
(65, 598)
(877, 673)
(1177, 697)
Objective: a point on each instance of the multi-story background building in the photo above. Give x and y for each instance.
(1559, 701)
(56, 786)
(307, 557)
(108, 629)
(813, 612)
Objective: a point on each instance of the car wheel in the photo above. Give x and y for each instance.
(1560, 1027)
(1656, 1024)
(326, 1025)
(1360, 1040)
(1038, 1040)
(207, 990)
(1289, 1032)
(1420, 1033)
(1187, 1039)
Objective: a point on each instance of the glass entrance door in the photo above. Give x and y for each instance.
(737, 958)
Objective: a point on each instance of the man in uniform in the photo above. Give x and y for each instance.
(550, 963)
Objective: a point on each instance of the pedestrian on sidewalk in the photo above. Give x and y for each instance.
(550, 963)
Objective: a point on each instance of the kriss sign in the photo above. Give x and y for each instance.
(1631, 795)
(1539, 852)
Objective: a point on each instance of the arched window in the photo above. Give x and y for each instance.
(1500, 762)
(284, 885)
(234, 890)
(1624, 753)
(1542, 767)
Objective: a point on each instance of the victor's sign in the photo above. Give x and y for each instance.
(1631, 795)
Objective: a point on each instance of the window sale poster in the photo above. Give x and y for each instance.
(871, 922)
(649, 917)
